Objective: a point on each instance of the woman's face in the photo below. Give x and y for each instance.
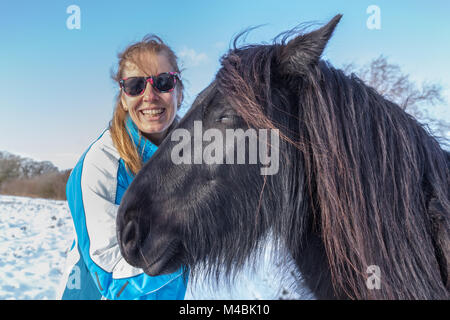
(153, 112)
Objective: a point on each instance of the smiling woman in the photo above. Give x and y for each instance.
(150, 94)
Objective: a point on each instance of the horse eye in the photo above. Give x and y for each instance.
(225, 118)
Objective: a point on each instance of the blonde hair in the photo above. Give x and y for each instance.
(150, 44)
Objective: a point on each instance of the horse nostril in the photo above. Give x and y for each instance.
(129, 232)
(130, 240)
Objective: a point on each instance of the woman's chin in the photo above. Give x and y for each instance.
(156, 134)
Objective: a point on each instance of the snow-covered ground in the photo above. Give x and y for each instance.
(35, 235)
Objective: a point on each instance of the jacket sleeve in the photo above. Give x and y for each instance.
(91, 194)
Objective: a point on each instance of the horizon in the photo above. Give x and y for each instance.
(69, 97)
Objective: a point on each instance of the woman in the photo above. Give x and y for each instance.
(150, 94)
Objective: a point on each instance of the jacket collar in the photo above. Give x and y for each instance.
(145, 147)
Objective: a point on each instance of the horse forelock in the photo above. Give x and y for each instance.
(366, 164)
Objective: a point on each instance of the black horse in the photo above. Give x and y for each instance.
(361, 186)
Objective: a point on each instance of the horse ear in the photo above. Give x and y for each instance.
(305, 50)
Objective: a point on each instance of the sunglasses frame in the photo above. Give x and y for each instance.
(152, 82)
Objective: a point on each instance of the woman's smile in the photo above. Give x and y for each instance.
(153, 114)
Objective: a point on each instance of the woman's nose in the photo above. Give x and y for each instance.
(150, 93)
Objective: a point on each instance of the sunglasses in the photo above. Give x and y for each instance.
(163, 82)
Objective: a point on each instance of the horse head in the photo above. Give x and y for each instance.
(282, 143)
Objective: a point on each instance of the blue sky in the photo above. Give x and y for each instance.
(57, 93)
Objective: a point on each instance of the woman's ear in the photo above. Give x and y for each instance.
(122, 101)
(179, 100)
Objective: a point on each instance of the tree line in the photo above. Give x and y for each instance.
(29, 178)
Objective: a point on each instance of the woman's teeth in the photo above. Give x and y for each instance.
(153, 112)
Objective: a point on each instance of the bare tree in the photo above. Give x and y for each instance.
(389, 80)
(9, 166)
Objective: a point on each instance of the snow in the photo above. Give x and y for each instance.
(35, 235)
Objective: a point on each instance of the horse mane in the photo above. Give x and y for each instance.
(372, 172)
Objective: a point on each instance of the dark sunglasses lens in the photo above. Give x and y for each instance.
(134, 86)
(165, 82)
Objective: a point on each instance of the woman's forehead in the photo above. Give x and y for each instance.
(146, 64)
